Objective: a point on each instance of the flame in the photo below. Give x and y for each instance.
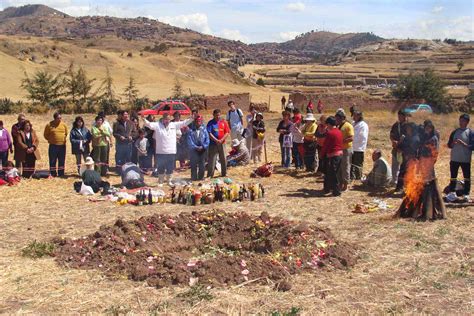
(419, 172)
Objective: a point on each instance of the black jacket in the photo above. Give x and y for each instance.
(124, 129)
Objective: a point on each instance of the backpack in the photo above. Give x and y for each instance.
(239, 112)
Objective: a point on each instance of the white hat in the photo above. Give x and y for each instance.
(235, 142)
(89, 161)
(309, 117)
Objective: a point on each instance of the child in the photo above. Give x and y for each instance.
(142, 145)
(12, 175)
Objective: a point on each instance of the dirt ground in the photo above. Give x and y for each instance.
(402, 267)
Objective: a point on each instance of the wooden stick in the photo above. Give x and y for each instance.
(440, 199)
(265, 149)
(428, 207)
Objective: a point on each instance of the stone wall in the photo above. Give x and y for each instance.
(242, 101)
(335, 101)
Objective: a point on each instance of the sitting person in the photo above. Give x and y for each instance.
(92, 178)
(9, 174)
(239, 155)
(381, 174)
(132, 176)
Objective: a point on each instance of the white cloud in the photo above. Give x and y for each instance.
(296, 6)
(439, 27)
(288, 36)
(196, 21)
(437, 9)
(233, 35)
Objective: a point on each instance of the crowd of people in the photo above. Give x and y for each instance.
(335, 147)
(154, 146)
(330, 146)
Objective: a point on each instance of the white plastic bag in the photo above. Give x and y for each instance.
(86, 190)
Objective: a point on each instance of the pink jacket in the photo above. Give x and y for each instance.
(5, 141)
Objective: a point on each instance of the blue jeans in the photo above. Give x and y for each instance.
(197, 160)
(4, 158)
(297, 157)
(145, 162)
(166, 163)
(123, 154)
(285, 156)
(57, 154)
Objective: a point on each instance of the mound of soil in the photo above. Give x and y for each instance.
(211, 248)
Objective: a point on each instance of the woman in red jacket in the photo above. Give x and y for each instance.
(332, 154)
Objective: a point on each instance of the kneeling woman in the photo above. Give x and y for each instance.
(27, 149)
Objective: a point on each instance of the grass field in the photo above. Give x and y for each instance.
(403, 267)
(154, 74)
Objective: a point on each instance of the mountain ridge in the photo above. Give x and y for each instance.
(43, 21)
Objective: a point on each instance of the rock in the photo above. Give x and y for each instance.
(283, 286)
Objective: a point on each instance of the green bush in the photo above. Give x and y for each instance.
(37, 249)
(7, 106)
(108, 106)
(260, 82)
(37, 108)
(425, 85)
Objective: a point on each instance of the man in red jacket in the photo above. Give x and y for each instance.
(332, 155)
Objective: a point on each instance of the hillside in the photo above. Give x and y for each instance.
(154, 73)
(316, 46)
(42, 21)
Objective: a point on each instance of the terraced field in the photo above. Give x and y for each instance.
(371, 68)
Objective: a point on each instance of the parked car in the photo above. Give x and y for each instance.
(168, 106)
(416, 108)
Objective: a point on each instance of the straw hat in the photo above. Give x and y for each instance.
(309, 117)
(89, 161)
(235, 142)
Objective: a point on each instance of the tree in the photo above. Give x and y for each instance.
(460, 65)
(423, 85)
(70, 83)
(107, 87)
(43, 87)
(84, 85)
(107, 97)
(178, 90)
(131, 91)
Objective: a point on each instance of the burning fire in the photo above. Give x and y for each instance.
(419, 172)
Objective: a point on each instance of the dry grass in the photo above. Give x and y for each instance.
(154, 73)
(404, 267)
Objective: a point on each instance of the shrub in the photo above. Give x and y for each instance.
(60, 105)
(6, 106)
(36, 249)
(108, 106)
(424, 85)
(260, 82)
(139, 104)
(37, 108)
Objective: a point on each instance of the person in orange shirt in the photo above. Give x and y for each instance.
(56, 133)
(344, 172)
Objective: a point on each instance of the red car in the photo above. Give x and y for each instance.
(168, 106)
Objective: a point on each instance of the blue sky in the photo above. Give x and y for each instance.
(272, 20)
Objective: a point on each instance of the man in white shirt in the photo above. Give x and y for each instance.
(235, 120)
(165, 144)
(359, 144)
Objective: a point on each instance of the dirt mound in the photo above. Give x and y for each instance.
(210, 247)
